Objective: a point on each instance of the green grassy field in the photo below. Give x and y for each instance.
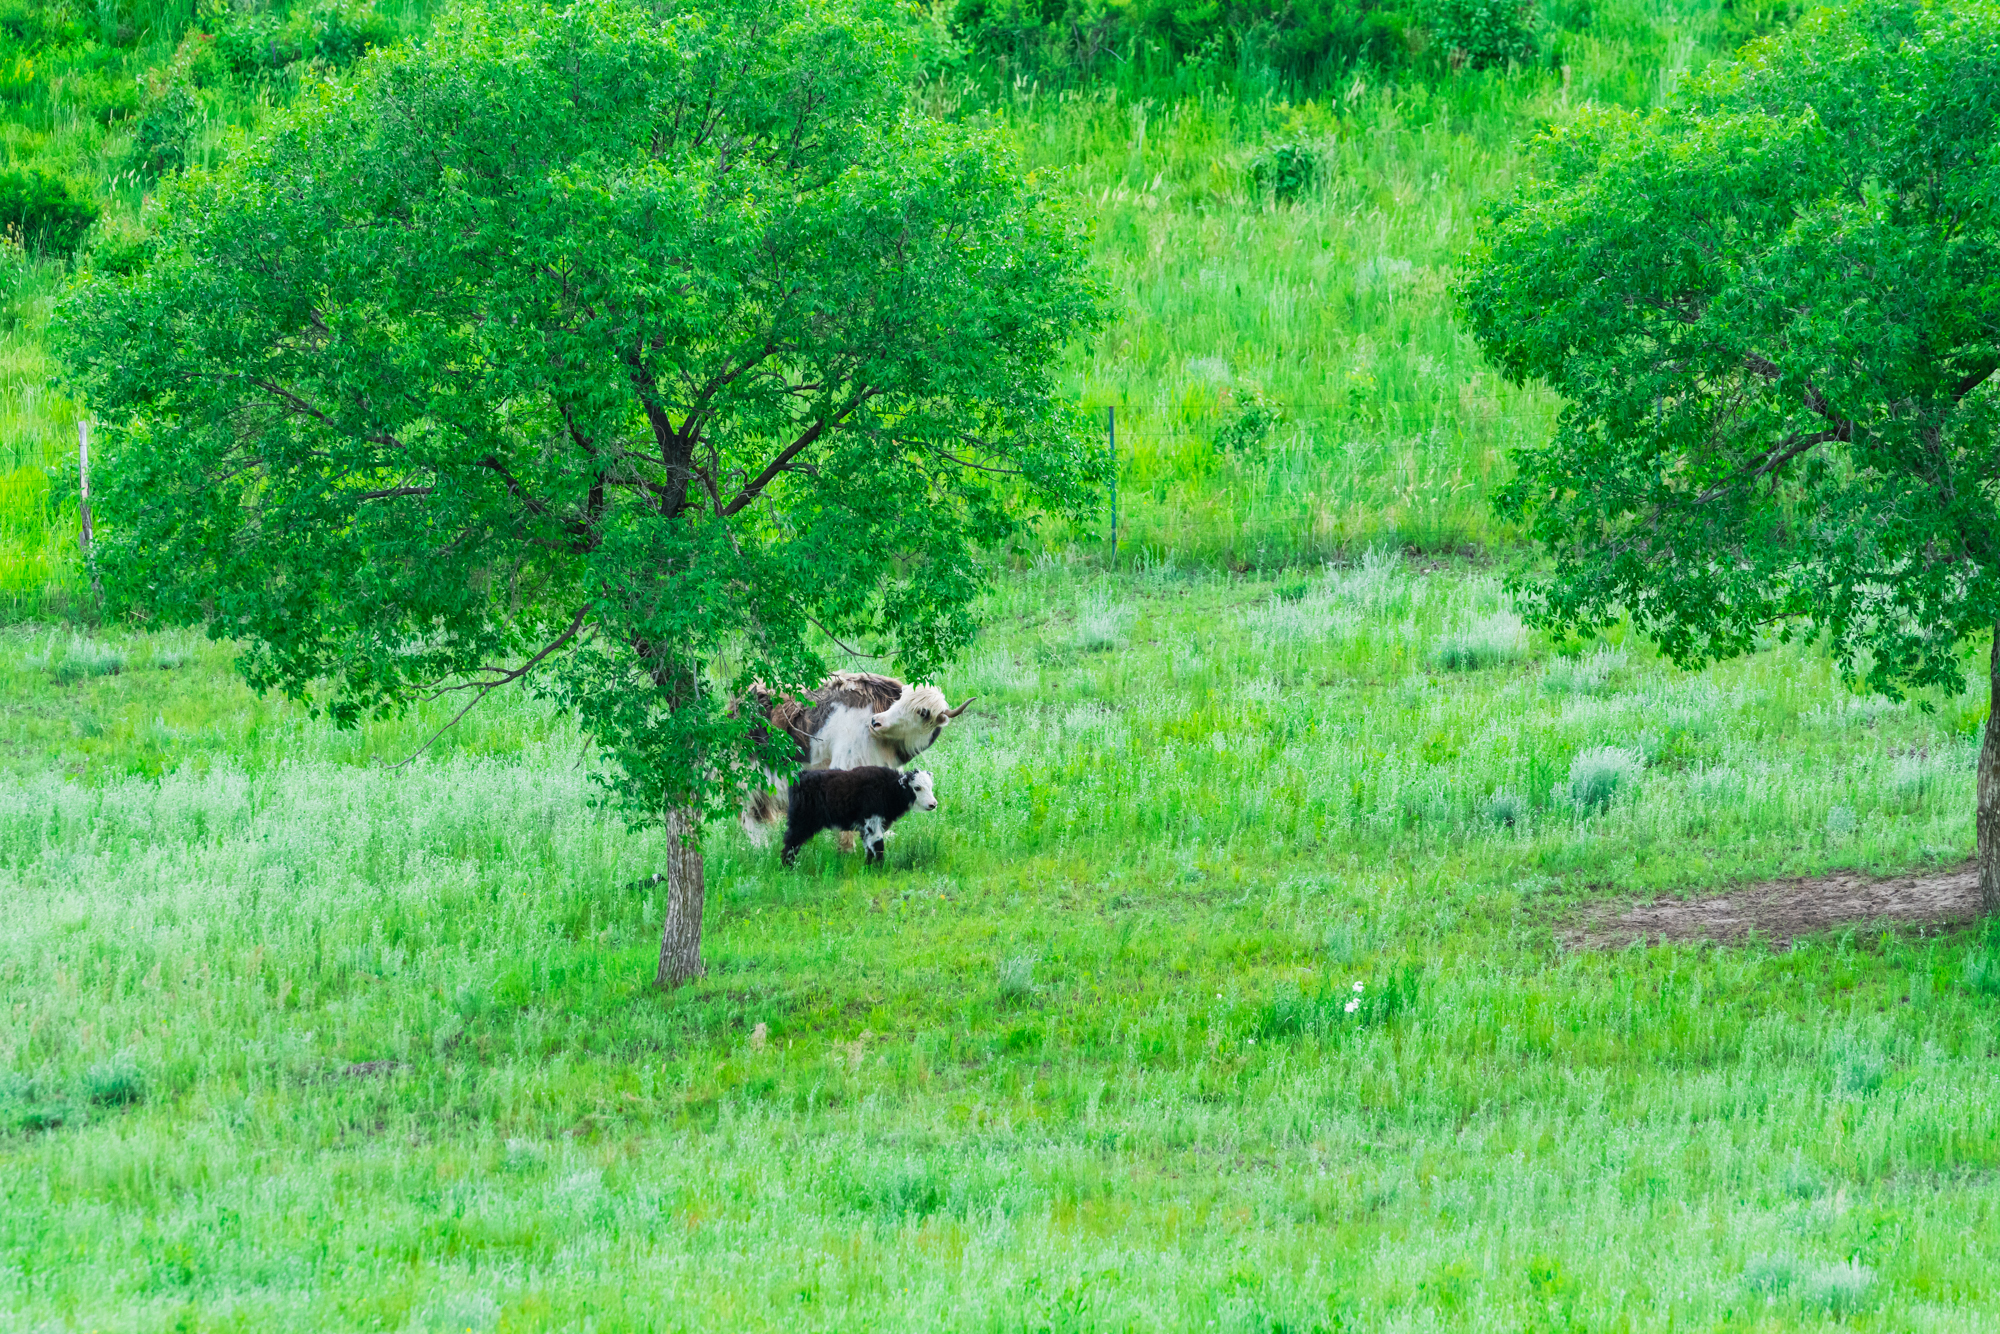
(1290, 380)
(295, 1039)
(299, 1041)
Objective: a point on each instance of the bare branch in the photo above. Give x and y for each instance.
(968, 463)
(501, 676)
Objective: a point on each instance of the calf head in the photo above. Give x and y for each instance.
(923, 788)
(916, 718)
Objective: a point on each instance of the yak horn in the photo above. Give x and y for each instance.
(953, 713)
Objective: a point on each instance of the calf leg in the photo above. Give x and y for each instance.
(874, 834)
(794, 840)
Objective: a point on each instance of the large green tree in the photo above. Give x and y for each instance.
(594, 346)
(1772, 312)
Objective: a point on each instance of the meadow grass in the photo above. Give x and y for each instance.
(291, 1039)
(1289, 376)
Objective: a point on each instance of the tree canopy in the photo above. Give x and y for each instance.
(604, 344)
(1772, 312)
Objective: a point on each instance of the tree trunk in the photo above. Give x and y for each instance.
(1989, 794)
(680, 934)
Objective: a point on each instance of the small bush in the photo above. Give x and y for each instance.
(1251, 425)
(1293, 588)
(1486, 643)
(1017, 976)
(1481, 33)
(114, 1083)
(1770, 1275)
(1101, 623)
(1589, 675)
(1858, 1069)
(1839, 1289)
(43, 213)
(1598, 775)
(165, 130)
(1287, 170)
(1505, 809)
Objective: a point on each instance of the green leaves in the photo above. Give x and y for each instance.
(603, 343)
(1771, 311)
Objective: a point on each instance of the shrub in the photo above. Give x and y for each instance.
(1769, 1275)
(1017, 976)
(1287, 170)
(43, 212)
(1838, 1289)
(1486, 643)
(342, 34)
(1583, 676)
(1505, 809)
(1481, 33)
(255, 44)
(1599, 774)
(1101, 622)
(1255, 417)
(114, 1083)
(165, 130)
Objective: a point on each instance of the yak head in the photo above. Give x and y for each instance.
(923, 787)
(916, 718)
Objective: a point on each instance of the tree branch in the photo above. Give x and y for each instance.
(777, 465)
(501, 677)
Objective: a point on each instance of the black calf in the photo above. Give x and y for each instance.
(868, 800)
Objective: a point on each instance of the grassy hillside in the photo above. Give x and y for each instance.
(1289, 376)
(296, 1041)
(110, 98)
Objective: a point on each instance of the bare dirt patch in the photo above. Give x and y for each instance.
(1781, 910)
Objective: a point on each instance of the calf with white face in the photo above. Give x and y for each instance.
(866, 801)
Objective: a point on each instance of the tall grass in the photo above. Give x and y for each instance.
(1320, 315)
(1289, 378)
(293, 1040)
(40, 564)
